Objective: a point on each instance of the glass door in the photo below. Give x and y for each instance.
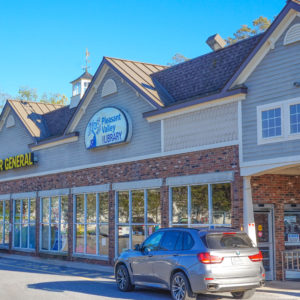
(264, 237)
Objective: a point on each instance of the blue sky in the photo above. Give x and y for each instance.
(43, 42)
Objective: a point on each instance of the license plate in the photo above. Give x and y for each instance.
(237, 261)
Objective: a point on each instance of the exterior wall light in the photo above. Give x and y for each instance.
(297, 84)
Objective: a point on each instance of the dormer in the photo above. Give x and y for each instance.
(79, 87)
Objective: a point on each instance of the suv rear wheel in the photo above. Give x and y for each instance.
(244, 294)
(180, 287)
(123, 279)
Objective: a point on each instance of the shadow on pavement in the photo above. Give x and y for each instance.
(108, 289)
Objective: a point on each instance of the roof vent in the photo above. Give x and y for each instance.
(215, 42)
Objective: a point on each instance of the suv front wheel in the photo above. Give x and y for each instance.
(123, 279)
(180, 287)
(244, 294)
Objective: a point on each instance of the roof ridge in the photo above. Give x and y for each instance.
(134, 61)
(36, 102)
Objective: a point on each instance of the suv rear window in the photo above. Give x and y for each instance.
(228, 241)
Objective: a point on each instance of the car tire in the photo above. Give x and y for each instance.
(123, 279)
(243, 294)
(180, 287)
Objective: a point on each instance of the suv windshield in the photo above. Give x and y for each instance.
(228, 240)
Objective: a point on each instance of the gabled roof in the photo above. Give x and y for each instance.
(206, 74)
(139, 74)
(85, 75)
(32, 114)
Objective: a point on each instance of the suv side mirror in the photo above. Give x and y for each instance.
(145, 250)
(137, 247)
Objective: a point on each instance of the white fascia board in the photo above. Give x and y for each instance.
(262, 52)
(88, 99)
(197, 107)
(56, 143)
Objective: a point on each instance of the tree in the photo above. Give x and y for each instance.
(260, 25)
(177, 59)
(29, 94)
(3, 98)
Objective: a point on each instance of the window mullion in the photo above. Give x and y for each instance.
(85, 222)
(4, 222)
(97, 222)
(74, 223)
(28, 221)
(170, 207)
(116, 223)
(59, 243)
(130, 220)
(21, 221)
(189, 197)
(49, 225)
(210, 205)
(146, 212)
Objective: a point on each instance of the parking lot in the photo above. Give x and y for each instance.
(32, 278)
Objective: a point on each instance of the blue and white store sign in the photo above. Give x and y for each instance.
(108, 126)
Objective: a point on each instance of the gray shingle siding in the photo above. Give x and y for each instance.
(271, 82)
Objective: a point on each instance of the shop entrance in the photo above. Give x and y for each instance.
(265, 238)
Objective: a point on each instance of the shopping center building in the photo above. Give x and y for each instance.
(209, 142)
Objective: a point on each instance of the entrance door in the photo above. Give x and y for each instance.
(265, 242)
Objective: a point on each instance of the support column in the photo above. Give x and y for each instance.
(249, 225)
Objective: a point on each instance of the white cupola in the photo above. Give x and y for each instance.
(79, 87)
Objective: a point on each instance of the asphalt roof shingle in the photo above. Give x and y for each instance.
(206, 74)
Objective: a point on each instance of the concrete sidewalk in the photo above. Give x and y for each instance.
(61, 263)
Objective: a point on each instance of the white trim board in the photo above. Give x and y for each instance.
(52, 193)
(140, 184)
(125, 160)
(24, 195)
(215, 177)
(90, 189)
(5, 197)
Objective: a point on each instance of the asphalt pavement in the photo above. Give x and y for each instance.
(44, 279)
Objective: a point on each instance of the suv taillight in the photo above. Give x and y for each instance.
(256, 257)
(206, 258)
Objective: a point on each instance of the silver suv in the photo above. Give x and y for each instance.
(190, 261)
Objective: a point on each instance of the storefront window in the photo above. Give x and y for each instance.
(54, 224)
(24, 224)
(292, 229)
(91, 224)
(4, 223)
(201, 205)
(139, 215)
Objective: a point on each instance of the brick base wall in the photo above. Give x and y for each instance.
(277, 190)
(207, 161)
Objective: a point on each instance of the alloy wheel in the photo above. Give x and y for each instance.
(178, 287)
(121, 278)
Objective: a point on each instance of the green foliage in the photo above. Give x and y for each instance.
(259, 25)
(3, 98)
(177, 59)
(29, 94)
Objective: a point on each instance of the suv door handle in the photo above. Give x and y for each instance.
(175, 254)
(150, 255)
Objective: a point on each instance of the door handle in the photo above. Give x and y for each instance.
(150, 255)
(175, 254)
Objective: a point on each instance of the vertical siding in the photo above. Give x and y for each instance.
(271, 82)
(145, 136)
(203, 127)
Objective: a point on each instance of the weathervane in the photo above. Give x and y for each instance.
(87, 54)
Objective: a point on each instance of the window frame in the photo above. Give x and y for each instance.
(130, 224)
(189, 224)
(98, 223)
(50, 222)
(286, 134)
(21, 223)
(5, 223)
